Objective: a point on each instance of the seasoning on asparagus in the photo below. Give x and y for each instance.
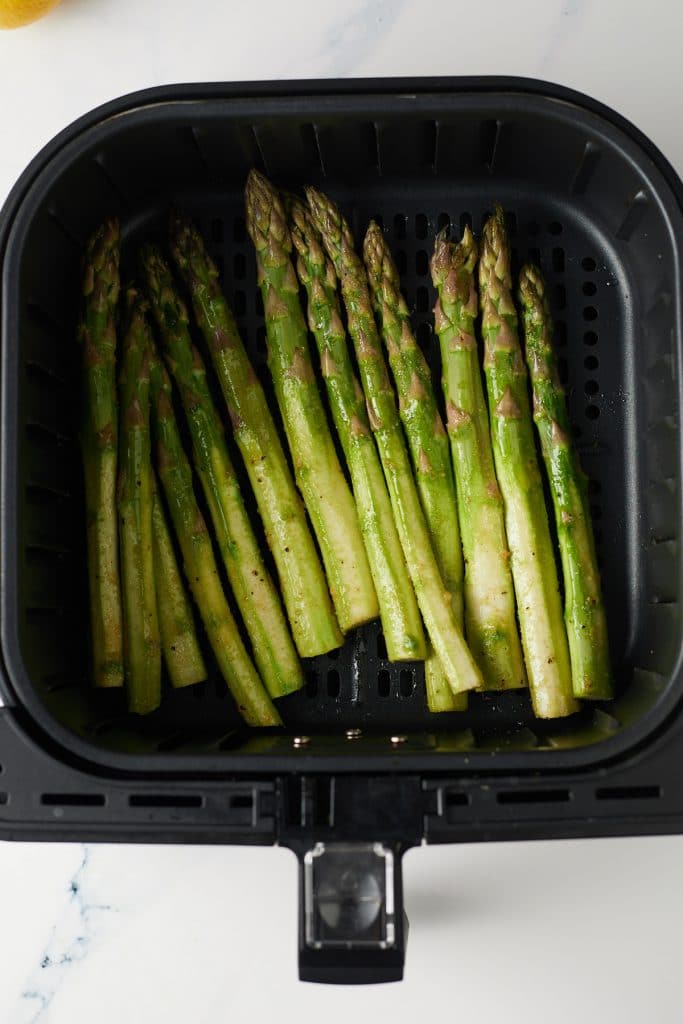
(99, 441)
(179, 643)
(533, 563)
(256, 596)
(490, 619)
(584, 611)
(302, 581)
(318, 474)
(427, 440)
(432, 596)
(401, 621)
(141, 643)
(175, 473)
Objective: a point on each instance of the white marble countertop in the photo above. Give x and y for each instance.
(522, 932)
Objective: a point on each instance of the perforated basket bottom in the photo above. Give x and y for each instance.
(356, 687)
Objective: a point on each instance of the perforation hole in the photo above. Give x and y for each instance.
(554, 228)
(563, 371)
(424, 335)
(421, 226)
(511, 222)
(220, 264)
(596, 512)
(400, 225)
(240, 303)
(379, 221)
(421, 300)
(592, 412)
(591, 387)
(560, 297)
(590, 338)
(217, 231)
(239, 229)
(560, 333)
(590, 313)
(239, 265)
(588, 264)
(401, 261)
(406, 682)
(421, 263)
(591, 363)
(333, 683)
(589, 288)
(443, 221)
(383, 682)
(534, 255)
(261, 344)
(465, 221)
(558, 260)
(311, 683)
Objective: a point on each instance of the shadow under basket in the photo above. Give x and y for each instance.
(586, 196)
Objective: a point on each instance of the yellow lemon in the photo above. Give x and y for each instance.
(14, 13)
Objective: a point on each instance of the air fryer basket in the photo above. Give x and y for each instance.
(588, 197)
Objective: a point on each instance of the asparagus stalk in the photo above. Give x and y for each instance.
(425, 434)
(99, 442)
(256, 596)
(318, 473)
(302, 581)
(490, 619)
(533, 564)
(400, 615)
(142, 646)
(584, 612)
(179, 642)
(433, 600)
(238, 671)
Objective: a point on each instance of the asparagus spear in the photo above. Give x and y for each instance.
(142, 646)
(302, 580)
(491, 622)
(179, 641)
(238, 671)
(318, 473)
(584, 612)
(533, 563)
(256, 596)
(400, 615)
(425, 434)
(433, 600)
(99, 441)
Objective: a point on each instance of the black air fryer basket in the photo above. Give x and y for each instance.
(361, 771)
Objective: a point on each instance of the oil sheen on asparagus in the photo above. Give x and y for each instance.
(533, 562)
(400, 615)
(427, 442)
(302, 580)
(319, 476)
(490, 618)
(584, 611)
(433, 599)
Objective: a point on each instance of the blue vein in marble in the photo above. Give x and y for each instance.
(348, 41)
(69, 943)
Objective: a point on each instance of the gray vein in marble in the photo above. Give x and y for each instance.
(567, 20)
(69, 942)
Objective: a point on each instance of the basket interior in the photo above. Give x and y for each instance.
(577, 202)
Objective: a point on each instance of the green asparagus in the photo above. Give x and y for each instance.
(179, 642)
(490, 619)
(533, 564)
(99, 441)
(141, 643)
(426, 438)
(302, 581)
(400, 615)
(256, 596)
(584, 612)
(433, 599)
(234, 662)
(318, 473)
